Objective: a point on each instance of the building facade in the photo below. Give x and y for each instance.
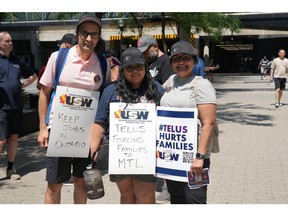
(263, 34)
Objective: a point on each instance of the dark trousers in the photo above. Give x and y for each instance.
(181, 194)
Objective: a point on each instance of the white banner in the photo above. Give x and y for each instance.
(176, 142)
(73, 117)
(132, 138)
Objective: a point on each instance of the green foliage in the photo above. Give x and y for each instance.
(211, 23)
(7, 16)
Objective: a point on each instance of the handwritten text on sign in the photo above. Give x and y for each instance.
(132, 138)
(73, 117)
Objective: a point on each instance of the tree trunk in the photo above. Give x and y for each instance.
(163, 32)
(182, 34)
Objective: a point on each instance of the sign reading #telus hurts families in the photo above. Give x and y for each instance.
(176, 142)
(73, 118)
(132, 138)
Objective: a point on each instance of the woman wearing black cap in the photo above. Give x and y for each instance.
(187, 90)
(134, 85)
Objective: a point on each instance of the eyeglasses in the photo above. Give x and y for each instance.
(131, 68)
(85, 34)
(183, 58)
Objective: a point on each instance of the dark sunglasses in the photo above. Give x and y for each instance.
(132, 68)
(85, 34)
(183, 58)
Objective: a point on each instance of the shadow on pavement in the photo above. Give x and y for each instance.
(30, 157)
(242, 115)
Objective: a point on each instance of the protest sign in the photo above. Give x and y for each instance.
(176, 142)
(132, 138)
(73, 117)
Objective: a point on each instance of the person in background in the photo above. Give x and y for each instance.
(134, 85)
(68, 40)
(210, 69)
(269, 69)
(159, 65)
(183, 58)
(279, 71)
(79, 71)
(114, 64)
(263, 67)
(160, 70)
(199, 69)
(11, 101)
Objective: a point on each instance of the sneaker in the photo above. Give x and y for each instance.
(277, 105)
(163, 197)
(69, 182)
(11, 174)
(280, 104)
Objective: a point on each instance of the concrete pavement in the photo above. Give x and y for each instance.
(251, 167)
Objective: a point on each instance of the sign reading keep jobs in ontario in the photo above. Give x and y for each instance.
(73, 118)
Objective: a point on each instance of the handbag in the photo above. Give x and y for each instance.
(101, 162)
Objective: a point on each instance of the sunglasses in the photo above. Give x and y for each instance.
(85, 34)
(183, 58)
(131, 68)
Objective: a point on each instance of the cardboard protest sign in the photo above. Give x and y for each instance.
(73, 117)
(132, 138)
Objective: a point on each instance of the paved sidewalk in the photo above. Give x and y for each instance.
(251, 167)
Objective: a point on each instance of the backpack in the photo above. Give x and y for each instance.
(60, 61)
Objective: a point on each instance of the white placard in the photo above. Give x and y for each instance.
(73, 117)
(176, 142)
(132, 138)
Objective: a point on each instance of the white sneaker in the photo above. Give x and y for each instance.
(11, 174)
(163, 197)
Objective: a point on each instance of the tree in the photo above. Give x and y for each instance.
(10, 16)
(211, 23)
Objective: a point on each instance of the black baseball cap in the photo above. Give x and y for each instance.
(69, 38)
(89, 18)
(132, 55)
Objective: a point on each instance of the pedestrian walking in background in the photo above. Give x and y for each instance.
(134, 85)
(269, 69)
(279, 71)
(82, 70)
(263, 67)
(11, 101)
(181, 92)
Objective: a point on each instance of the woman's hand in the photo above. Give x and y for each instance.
(197, 166)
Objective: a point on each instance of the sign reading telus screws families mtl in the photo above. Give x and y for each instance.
(73, 118)
(176, 142)
(132, 138)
